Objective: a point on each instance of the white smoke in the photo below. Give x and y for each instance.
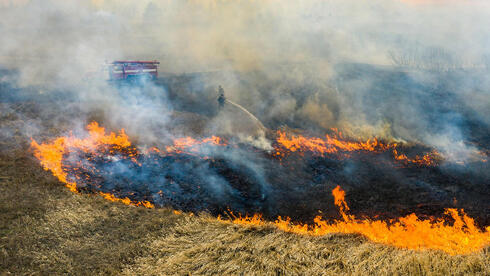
(55, 44)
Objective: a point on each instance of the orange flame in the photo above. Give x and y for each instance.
(462, 237)
(335, 144)
(428, 159)
(189, 143)
(51, 155)
(330, 144)
(126, 200)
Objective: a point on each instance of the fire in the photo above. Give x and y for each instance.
(335, 144)
(330, 144)
(462, 237)
(126, 200)
(189, 143)
(51, 155)
(428, 159)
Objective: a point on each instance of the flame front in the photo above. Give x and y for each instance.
(335, 144)
(462, 237)
(189, 143)
(51, 155)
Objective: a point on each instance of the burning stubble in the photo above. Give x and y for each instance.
(408, 103)
(199, 175)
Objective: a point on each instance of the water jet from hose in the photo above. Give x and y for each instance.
(259, 123)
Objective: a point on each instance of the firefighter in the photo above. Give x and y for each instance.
(221, 98)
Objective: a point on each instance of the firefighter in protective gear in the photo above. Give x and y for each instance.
(221, 97)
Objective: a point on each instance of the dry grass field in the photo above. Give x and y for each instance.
(174, 121)
(47, 230)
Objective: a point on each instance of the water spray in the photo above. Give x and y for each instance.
(259, 123)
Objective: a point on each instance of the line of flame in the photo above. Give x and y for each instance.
(462, 237)
(51, 155)
(332, 145)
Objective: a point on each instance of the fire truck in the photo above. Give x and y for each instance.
(133, 69)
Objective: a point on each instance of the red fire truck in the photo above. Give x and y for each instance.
(133, 69)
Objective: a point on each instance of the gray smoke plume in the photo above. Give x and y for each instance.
(405, 70)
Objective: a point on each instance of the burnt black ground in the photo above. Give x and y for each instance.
(299, 186)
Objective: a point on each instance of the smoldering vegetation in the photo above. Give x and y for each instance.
(397, 70)
(50, 230)
(249, 179)
(431, 109)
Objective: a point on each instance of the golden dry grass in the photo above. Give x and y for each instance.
(47, 230)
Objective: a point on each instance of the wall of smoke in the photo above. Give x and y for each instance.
(282, 60)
